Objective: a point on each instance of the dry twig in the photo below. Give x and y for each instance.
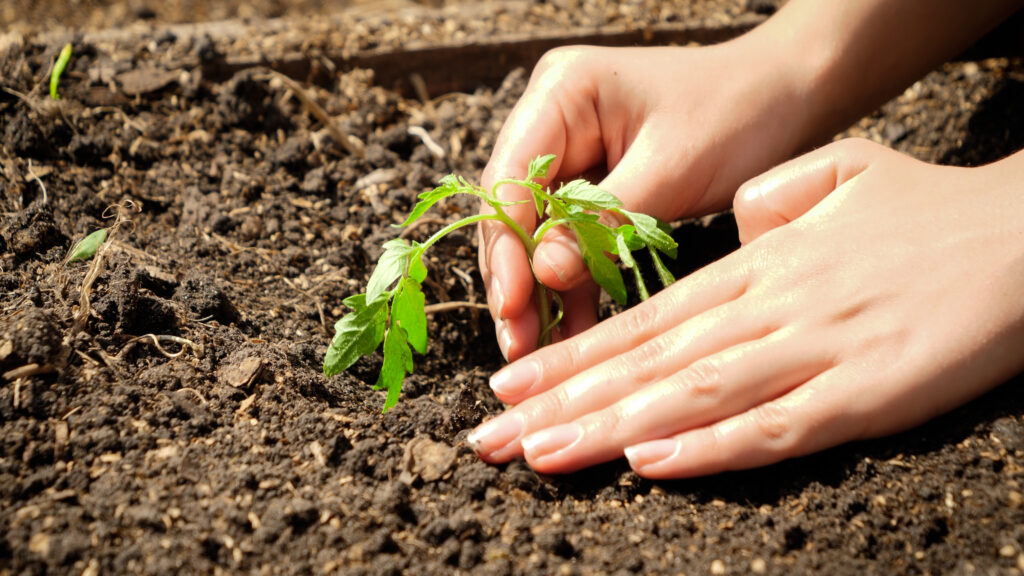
(350, 143)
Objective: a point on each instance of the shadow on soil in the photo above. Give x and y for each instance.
(995, 131)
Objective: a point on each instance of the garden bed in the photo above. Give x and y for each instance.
(183, 425)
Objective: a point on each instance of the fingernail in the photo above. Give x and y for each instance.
(497, 296)
(516, 378)
(551, 440)
(642, 455)
(557, 251)
(504, 337)
(496, 434)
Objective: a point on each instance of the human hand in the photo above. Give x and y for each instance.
(626, 111)
(873, 292)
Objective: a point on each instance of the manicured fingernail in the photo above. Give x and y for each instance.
(496, 434)
(497, 296)
(504, 337)
(516, 378)
(642, 455)
(551, 440)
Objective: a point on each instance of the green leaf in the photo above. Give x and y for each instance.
(58, 69)
(538, 200)
(87, 247)
(664, 275)
(449, 187)
(539, 166)
(397, 362)
(417, 269)
(594, 240)
(649, 229)
(628, 234)
(587, 196)
(391, 266)
(623, 239)
(355, 335)
(356, 302)
(408, 311)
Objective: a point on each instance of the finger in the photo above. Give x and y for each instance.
(544, 369)
(558, 262)
(499, 439)
(712, 388)
(537, 126)
(510, 291)
(517, 337)
(640, 176)
(580, 311)
(786, 192)
(808, 419)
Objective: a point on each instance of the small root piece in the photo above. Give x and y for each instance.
(155, 340)
(429, 142)
(196, 392)
(121, 216)
(32, 176)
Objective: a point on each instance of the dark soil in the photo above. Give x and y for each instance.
(179, 422)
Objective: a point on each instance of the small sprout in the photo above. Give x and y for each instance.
(58, 69)
(392, 313)
(87, 247)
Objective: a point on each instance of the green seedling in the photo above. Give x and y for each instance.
(391, 311)
(87, 247)
(58, 69)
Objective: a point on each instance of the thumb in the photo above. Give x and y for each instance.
(787, 191)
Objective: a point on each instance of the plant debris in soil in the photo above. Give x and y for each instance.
(184, 425)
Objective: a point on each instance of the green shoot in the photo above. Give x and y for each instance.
(87, 247)
(392, 312)
(58, 69)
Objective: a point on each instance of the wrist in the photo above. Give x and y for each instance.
(799, 68)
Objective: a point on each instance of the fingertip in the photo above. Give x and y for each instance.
(558, 263)
(517, 336)
(650, 459)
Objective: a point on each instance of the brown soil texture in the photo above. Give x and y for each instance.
(179, 422)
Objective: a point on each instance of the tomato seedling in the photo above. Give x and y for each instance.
(391, 311)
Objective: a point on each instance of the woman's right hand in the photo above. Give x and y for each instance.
(677, 130)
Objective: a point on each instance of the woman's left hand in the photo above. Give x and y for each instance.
(873, 292)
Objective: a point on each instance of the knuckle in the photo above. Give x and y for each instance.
(772, 421)
(609, 422)
(645, 361)
(857, 143)
(703, 378)
(745, 202)
(637, 323)
(566, 355)
(547, 407)
(558, 57)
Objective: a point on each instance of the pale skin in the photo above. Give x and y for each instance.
(872, 292)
